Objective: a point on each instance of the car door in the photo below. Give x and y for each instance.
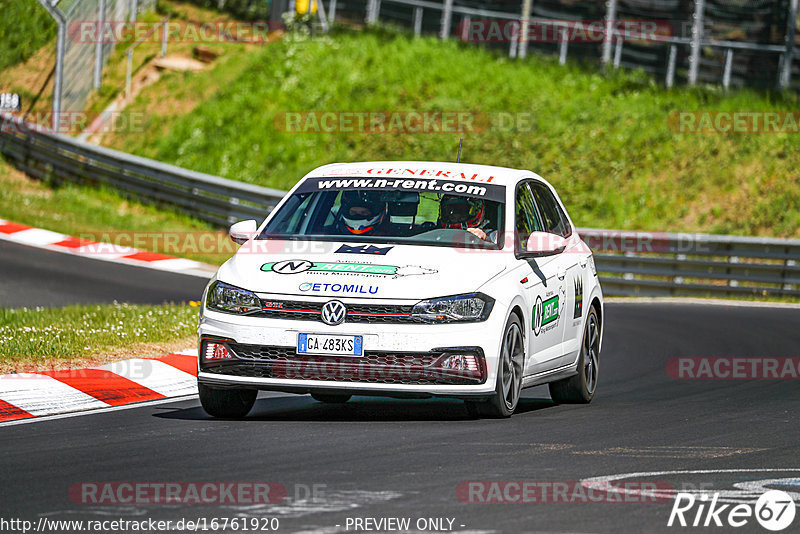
(569, 270)
(544, 286)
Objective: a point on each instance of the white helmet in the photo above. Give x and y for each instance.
(362, 211)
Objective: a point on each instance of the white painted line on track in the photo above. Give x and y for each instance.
(177, 264)
(738, 496)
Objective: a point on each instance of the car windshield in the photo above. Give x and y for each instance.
(424, 212)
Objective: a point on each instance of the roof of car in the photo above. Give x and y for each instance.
(423, 170)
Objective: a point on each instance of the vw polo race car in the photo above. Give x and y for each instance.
(405, 279)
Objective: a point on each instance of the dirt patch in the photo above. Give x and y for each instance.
(178, 62)
(147, 75)
(141, 350)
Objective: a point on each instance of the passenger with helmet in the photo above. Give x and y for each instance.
(465, 213)
(363, 213)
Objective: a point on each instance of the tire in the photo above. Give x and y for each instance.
(226, 403)
(330, 398)
(509, 375)
(580, 389)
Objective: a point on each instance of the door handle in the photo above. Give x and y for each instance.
(562, 274)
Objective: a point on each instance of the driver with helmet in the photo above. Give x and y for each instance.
(363, 213)
(465, 213)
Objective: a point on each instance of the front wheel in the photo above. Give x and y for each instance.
(509, 375)
(226, 403)
(579, 389)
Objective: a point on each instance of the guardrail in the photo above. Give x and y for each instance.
(629, 263)
(671, 264)
(60, 159)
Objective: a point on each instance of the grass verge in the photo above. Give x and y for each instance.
(80, 335)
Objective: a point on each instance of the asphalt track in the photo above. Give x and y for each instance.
(383, 458)
(35, 277)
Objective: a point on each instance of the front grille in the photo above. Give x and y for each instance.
(356, 313)
(410, 368)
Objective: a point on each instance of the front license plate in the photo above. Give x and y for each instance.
(332, 345)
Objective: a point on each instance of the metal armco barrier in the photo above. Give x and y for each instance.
(59, 159)
(670, 264)
(628, 262)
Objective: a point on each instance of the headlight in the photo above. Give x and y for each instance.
(231, 299)
(473, 307)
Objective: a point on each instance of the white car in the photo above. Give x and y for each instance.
(405, 279)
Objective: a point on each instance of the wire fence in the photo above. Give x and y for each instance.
(732, 43)
(80, 59)
(727, 42)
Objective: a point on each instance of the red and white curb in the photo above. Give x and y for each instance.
(27, 395)
(45, 239)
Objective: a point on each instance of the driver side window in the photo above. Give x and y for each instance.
(526, 218)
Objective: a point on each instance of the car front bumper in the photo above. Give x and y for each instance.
(400, 359)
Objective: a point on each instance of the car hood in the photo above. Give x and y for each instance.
(345, 270)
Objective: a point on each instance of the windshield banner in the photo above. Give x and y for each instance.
(429, 185)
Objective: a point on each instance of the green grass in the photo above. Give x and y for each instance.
(42, 337)
(25, 26)
(602, 140)
(100, 214)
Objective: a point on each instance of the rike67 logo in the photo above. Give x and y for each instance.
(774, 510)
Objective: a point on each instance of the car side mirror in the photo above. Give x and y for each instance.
(243, 231)
(544, 244)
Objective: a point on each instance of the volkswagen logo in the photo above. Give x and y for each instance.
(333, 312)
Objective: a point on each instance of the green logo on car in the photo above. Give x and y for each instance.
(544, 313)
(302, 266)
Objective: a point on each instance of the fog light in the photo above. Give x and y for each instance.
(216, 351)
(466, 363)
